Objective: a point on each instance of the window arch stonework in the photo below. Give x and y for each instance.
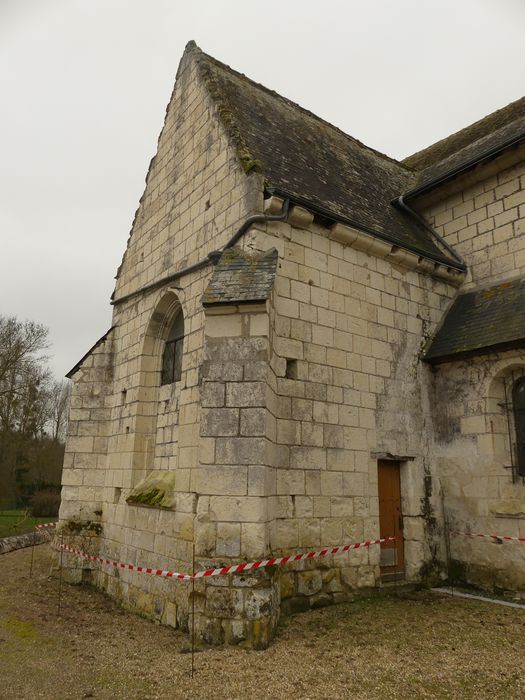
(506, 407)
(153, 396)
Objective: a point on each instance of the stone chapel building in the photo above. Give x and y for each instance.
(312, 344)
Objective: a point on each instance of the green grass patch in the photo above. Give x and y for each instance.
(20, 628)
(18, 522)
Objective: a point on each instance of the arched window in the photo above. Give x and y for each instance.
(172, 358)
(518, 404)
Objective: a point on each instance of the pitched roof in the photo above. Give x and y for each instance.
(313, 162)
(492, 133)
(485, 320)
(241, 278)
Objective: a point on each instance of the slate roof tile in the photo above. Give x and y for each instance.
(317, 164)
(453, 152)
(302, 156)
(240, 277)
(481, 321)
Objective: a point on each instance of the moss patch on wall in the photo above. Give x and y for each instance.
(156, 490)
(83, 526)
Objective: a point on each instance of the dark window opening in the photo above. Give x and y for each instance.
(291, 369)
(518, 404)
(172, 358)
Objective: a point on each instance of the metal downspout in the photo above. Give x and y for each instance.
(417, 217)
(211, 258)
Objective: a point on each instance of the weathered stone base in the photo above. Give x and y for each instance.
(233, 609)
(238, 608)
(318, 584)
(491, 579)
(245, 608)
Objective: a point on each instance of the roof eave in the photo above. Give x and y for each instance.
(233, 302)
(464, 167)
(332, 216)
(473, 352)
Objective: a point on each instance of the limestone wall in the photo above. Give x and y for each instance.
(347, 328)
(482, 215)
(232, 480)
(474, 440)
(196, 197)
(269, 441)
(89, 428)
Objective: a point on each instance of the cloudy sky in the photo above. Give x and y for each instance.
(83, 90)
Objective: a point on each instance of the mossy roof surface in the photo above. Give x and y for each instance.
(240, 278)
(311, 160)
(482, 321)
(491, 132)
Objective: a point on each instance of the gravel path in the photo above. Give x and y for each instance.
(418, 645)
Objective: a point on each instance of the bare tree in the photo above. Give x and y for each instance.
(25, 389)
(20, 343)
(59, 395)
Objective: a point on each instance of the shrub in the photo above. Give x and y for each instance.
(45, 503)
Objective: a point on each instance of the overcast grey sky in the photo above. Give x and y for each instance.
(84, 85)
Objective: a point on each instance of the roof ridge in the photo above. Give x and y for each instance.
(248, 160)
(237, 136)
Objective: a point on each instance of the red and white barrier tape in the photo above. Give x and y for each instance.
(120, 565)
(239, 568)
(44, 525)
(234, 568)
(493, 537)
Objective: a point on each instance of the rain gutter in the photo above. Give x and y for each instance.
(212, 258)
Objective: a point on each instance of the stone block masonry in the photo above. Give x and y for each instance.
(483, 217)
(344, 385)
(124, 425)
(238, 410)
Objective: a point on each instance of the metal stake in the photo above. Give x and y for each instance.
(447, 548)
(32, 553)
(446, 533)
(193, 612)
(60, 572)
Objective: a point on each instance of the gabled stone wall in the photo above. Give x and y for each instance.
(482, 215)
(268, 443)
(196, 197)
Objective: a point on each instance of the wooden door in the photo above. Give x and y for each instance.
(390, 519)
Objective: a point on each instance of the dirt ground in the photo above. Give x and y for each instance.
(407, 646)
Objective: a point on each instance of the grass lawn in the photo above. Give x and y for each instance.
(18, 522)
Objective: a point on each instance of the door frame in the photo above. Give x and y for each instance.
(390, 496)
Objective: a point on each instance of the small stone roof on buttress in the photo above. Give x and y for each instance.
(241, 277)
